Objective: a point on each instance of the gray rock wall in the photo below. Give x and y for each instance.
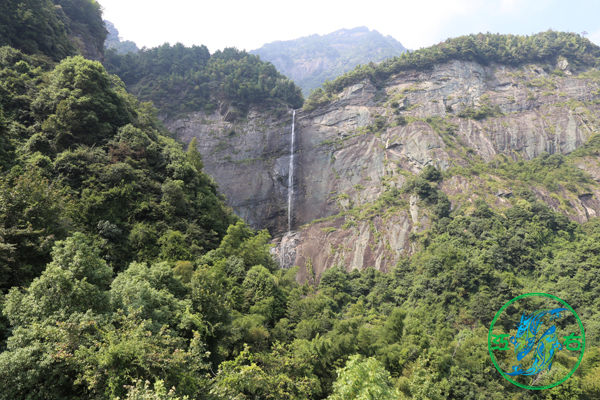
(341, 164)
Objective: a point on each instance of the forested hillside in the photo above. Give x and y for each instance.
(124, 275)
(179, 79)
(56, 28)
(544, 48)
(312, 60)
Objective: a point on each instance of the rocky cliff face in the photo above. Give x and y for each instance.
(86, 46)
(353, 150)
(249, 159)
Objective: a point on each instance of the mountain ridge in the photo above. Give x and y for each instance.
(114, 41)
(313, 59)
(428, 193)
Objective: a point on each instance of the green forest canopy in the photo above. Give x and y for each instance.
(182, 79)
(48, 27)
(73, 132)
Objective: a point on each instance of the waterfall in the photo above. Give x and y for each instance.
(291, 175)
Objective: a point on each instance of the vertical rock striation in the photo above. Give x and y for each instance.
(371, 140)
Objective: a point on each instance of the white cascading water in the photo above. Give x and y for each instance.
(291, 176)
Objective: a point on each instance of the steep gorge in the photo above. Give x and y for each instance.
(354, 150)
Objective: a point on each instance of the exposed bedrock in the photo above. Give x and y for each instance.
(349, 151)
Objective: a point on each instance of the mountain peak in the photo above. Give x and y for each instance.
(359, 29)
(313, 59)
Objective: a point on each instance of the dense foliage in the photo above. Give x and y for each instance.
(417, 332)
(544, 47)
(22, 23)
(332, 54)
(81, 153)
(55, 29)
(183, 79)
(84, 23)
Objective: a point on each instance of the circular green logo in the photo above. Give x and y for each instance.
(526, 335)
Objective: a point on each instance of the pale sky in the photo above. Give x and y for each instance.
(416, 23)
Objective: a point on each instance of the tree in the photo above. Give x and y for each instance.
(181, 79)
(363, 379)
(49, 319)
(423, 384)
(591, 383)
(6, 148)
(431, 173)
(79, 106)
(144, 391)
(34, 213)
(335, 278)
(258, 285)
(76, 280)
(85, 20)
(241, 241)
(153, 293)
(184, 270)
(280, 375)
(193, 155)
(128, 350)
(209, 299)
(173, 247)
(35, 26)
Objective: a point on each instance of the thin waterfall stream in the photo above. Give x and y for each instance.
(291, 175)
